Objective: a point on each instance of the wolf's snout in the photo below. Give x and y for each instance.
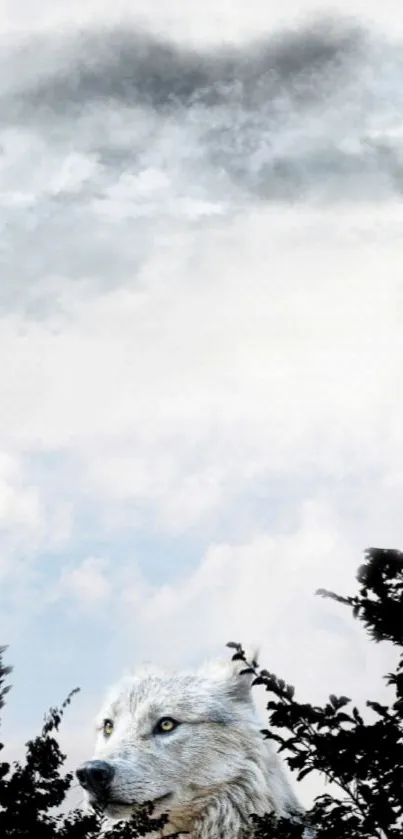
(95, 776)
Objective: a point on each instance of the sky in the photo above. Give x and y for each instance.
(201, 342)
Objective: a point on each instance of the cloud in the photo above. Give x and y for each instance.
(28, 518)
(281, 356)
(159, 126)
(123, 65)
(19, 506)
(87, 583)
(263, 591)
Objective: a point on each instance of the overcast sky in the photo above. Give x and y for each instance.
(201, 342)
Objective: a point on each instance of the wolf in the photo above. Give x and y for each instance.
(190, 743)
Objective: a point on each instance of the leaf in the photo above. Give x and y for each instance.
(342, 717)
(258, 681)
(304, 772)
(357, 716)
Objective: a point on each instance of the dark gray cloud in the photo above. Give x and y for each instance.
(109, 138)
(276, 118)
(136, 68)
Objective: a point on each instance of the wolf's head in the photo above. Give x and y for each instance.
(172, 739)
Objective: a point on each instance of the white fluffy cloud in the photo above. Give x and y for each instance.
(19, 505)
(275, 348)
(87, 583)
(263, 591)
(30, 520)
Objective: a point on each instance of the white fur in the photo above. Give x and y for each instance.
(215, 765)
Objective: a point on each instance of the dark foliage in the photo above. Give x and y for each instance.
(363, 758)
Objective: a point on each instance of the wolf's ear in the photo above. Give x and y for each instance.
(240, 676)
(230, 676)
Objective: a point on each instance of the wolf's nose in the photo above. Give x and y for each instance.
(95, 775)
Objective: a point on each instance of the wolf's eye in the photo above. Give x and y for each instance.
(165, 725)
(107, 727)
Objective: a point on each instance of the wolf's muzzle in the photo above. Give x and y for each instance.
(96, 776)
